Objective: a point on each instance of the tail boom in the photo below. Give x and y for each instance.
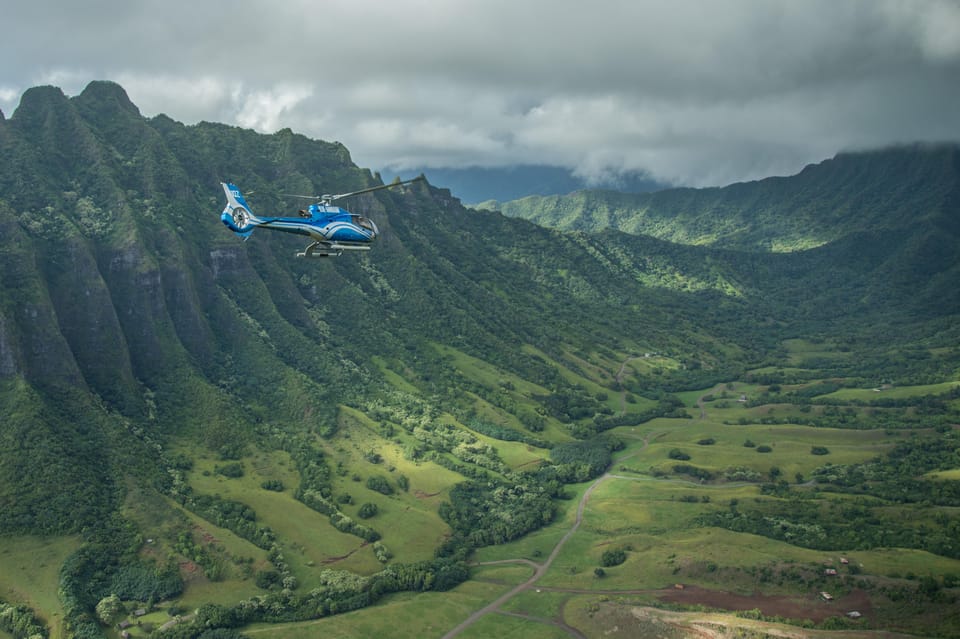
(236, 215)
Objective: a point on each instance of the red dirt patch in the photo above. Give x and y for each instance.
(188, 569)
(798, 607)
(419, 494)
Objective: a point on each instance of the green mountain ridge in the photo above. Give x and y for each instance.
(140, 341)
(886, 189)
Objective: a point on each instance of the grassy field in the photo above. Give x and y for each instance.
(513, 627)
(29, 574)
(894, 392)
(399, 616)
(644, 507)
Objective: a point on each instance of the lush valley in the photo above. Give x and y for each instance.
(227, 438)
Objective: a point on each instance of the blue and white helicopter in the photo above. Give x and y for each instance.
(332, 229)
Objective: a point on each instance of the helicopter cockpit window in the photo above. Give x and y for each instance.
(363, 222)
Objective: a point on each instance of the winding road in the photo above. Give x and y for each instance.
(539, 569)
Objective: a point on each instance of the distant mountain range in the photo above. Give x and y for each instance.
(480, 184)
(893, 189)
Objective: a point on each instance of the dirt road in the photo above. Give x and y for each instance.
(539, 569)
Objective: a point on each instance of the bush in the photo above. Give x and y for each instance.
(272, 484)
(379, 484)
(819, 450)
(676, 453)
(367, 511)
(267, 579)
(613, 557)
(764, 449)
(232, 470)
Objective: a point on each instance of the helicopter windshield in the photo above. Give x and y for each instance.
(363, 222)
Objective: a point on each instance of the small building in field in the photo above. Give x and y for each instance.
(826, 596)
(830, 571)
(854, 614)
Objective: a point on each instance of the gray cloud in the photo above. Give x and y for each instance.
(692, 92)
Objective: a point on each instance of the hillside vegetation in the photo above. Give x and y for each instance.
(891, 190)
(222, 436)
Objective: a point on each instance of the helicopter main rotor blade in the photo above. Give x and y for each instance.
(331, 198)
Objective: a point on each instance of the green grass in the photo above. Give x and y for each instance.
(512, 574)
(398, 616)
(487, 374)
(945, 475)
(791, 446)
(538, 603)
(394, 379)
(510, 627)
(896, 392)
(650, 518)
(801, 351)
(308, 540)
(29, 574)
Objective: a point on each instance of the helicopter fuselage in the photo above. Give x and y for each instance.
(332, 229)
(325, 223)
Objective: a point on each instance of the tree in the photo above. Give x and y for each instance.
(379, 484)
(613, 557)
(109, 609)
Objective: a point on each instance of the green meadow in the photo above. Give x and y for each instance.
(646, 507)
(891, 392)
(398, 616)
(513, 627)
(30, 574)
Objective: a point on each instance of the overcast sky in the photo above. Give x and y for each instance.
(693, 92)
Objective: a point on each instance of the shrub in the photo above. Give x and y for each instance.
(267, 579)
(367, 511)
(613, 557)
(232, 470)
(676, 453)
(379, 484)
(764, 449)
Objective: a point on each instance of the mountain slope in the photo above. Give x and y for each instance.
(120, 282)
(853, 192)
(142, 344)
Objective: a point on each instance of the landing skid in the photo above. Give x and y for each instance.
(331, 249)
